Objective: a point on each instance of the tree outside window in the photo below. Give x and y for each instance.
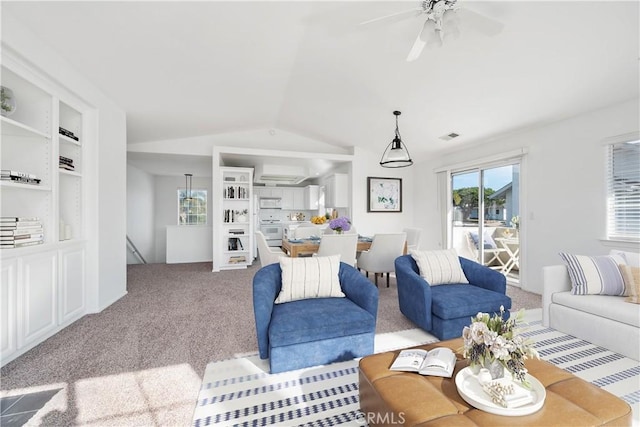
(192, 210)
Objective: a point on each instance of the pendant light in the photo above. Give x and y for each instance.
(396, 155)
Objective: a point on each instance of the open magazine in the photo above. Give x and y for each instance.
(438, 362)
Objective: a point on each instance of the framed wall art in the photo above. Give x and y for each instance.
(384, 194)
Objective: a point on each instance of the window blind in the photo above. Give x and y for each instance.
(623, 187)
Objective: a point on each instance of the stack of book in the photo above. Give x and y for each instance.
(66, 163)
(17, 176)
(67, 133)
(16, 232)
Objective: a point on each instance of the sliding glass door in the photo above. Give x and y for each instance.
(485, 220)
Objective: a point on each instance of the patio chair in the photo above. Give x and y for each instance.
(491, 252)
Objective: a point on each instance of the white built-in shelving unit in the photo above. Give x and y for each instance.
(42, 286)
(233, 236)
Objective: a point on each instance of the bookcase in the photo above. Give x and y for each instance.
(233, 247)
(43, 285)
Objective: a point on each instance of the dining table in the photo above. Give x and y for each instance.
(298, 247)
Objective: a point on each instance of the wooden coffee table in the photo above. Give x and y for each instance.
(402, 398)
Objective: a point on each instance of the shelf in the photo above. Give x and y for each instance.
(66, 139)
(14, 128)
(34, 187)
(70, 173)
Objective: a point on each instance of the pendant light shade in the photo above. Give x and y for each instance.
(396, 155)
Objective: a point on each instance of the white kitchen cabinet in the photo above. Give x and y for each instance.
(337, 191)
(71, 284)
(293, 198)
(271, 192)
(8, 304)
(38, 280)
(311, 195)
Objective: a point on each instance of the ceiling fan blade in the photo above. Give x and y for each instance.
(415, 9)
(421, 41)
(479, 22)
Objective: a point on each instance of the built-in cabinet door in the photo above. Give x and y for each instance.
(71, 285)
(287, 199)
(38, 277)
(337, 191)
(298, 198)
(311, 193)
(8, 303)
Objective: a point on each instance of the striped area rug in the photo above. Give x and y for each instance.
(241, 392)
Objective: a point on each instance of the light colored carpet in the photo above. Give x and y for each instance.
(152, 346)
(242, 392)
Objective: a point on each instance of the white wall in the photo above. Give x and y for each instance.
(140, 208)
(562, 184)
(367, 164)
(106, 204)
(166, 207)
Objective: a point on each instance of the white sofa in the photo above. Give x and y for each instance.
(607, 321)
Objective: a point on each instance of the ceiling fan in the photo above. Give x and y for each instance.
(442, 15)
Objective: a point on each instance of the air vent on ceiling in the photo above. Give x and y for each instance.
(279, 174)
(449, 136)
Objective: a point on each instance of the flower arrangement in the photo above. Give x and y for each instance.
(493, 339)
(515, 222)
(340, 224)
(318, 219)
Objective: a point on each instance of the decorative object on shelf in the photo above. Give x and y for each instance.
(396, 155)
(494, 343)
(340, 225)
(8, 101)
(507, 233)
(384, 194)
(241, 216)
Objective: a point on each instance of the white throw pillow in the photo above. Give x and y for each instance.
(309, 277)
(595, 275)
(439, 267)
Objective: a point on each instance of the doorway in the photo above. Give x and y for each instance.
(485, 221)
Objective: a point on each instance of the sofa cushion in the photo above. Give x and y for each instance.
(317, 319)
(595, 275)
(313, 277)
(631, 277)
(610, 307)
(452, 302)
(631, 258)
(439, 267)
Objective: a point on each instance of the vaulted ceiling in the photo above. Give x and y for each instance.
(182, 69)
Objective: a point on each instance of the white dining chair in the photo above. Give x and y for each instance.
(381, 256)
(344, 245)
(413, 238)
(267, 254)
(305, 231)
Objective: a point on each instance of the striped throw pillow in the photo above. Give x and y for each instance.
(309, 277)
(595, 275)
(439, 267)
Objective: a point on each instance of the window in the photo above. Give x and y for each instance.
(623, 191)
(192, 210)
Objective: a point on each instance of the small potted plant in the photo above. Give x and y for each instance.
(8, 103)
(241, 216)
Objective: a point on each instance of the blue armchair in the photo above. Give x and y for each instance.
(445, 310)
(318, 331)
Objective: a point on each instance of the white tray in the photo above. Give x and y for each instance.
(471, 391)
